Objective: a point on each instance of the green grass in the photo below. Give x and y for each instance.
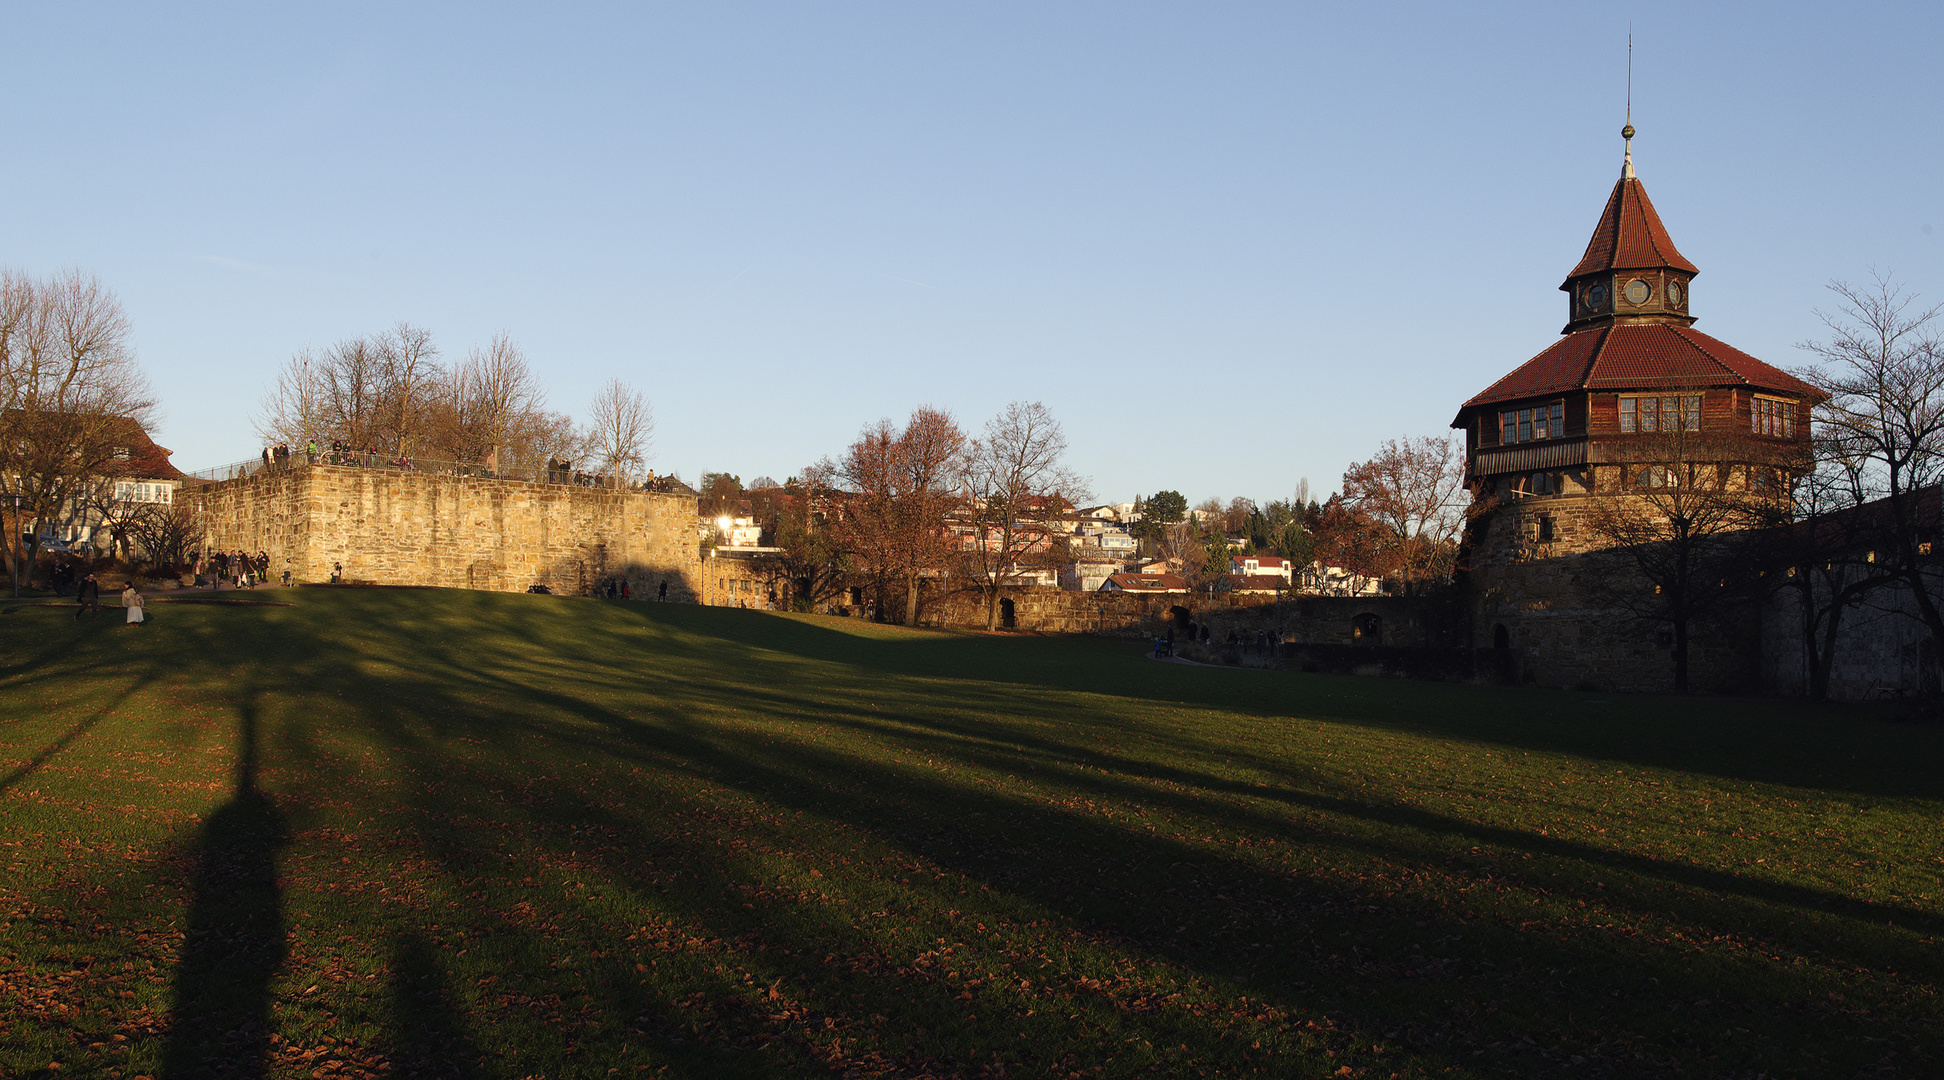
(468, 834)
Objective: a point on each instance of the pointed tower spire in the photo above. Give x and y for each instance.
(1627, 133)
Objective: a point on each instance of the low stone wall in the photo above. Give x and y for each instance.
(407, 528)
(1345, 620)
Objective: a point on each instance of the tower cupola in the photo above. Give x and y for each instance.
(1631, 272)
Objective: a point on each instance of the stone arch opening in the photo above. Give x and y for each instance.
(1367, 628)
(1501, 637)
(1008, 614)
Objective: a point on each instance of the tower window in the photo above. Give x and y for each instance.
(1680, 412)
(1526, 425)
(1773, 416)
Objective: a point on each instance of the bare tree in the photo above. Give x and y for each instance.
(1817, 548)
(167, 532)
(1015, 486)
(1412, 489)
(1883, 368)
(408, 364)
(293, 408)
(351, 379)
(486, 405)
(621, 429)
(903, 483)
(1683, 532)
(70, 396)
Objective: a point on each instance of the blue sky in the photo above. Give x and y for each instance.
(1230, 246)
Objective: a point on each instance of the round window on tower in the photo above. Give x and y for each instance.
(1596, 296)
(1674, 294)
(1638, 292)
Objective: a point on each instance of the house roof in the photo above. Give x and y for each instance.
(1636, 356)
(1630, 236)
(1262, 560)
(1146, 583)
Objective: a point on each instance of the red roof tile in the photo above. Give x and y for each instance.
(1638, 356)
(1630, 236)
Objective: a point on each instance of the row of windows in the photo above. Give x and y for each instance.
(129, 491)
(1525, 425)
(1674, 412)
(1773, 417)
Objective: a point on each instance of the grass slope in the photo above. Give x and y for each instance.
(468, 834)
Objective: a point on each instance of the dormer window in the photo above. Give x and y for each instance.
(1526, 425)
(121, 453)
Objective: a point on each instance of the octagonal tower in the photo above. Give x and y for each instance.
(1585, 429)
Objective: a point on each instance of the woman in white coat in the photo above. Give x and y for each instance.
(132, 600)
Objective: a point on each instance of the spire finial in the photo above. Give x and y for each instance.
(1627, 133)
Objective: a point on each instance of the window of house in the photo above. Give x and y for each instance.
(1545, 528)
(121, 453)
(1525, 425)
(1671, 412)
(1773, 416)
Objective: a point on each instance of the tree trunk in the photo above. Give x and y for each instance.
(911, 598)
(1680, 652)
(992, 607)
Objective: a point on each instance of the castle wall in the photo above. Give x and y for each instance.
(408, 528)
(1320, 620)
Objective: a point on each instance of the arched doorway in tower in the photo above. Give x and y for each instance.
(1183, 623)
(1501, 637)
(1367, 629)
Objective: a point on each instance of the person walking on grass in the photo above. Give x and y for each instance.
(90, 596)
(132, 600)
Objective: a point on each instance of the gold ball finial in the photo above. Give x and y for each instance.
(1627, 132)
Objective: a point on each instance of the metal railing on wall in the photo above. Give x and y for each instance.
(557, 473)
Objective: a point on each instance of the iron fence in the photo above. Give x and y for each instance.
(554, 473)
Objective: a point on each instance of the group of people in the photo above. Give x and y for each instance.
(240, 567)
(278, 456)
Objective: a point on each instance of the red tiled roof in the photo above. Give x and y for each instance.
(1630, 236)
(1637, 356)
(1146, 583)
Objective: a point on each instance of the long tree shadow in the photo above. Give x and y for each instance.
(236, 939)
(429, 1031)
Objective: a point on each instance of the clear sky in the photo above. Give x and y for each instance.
(1229, 245)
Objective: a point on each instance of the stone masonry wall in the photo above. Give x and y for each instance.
(1319, 620)
(1553, 597)
(403, 528)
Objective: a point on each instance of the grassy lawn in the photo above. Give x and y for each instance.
(468, 834)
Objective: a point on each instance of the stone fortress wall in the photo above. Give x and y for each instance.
(1546, 583)
(409, 528)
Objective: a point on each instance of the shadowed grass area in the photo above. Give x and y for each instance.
(471, 834)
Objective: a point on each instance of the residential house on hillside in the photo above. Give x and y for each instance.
(136, 476)
(1254, 565)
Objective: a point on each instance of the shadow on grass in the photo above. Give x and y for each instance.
(235, 942)
(740, 716)
(429, 1033)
